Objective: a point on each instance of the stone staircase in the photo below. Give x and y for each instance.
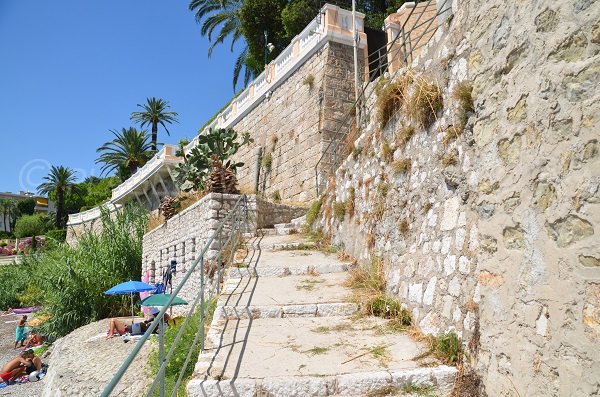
(285, 326)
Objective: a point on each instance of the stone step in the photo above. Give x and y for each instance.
(292, 270)
(333, 309)
(291, 290)
(440, 379)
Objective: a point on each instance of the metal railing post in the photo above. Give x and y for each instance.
(161, 354)
(202, 303)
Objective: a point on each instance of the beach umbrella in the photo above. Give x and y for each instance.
(162, 300)
(130, 287)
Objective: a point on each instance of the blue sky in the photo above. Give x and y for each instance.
(71, 70)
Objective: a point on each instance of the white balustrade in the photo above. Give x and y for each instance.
(277, 70)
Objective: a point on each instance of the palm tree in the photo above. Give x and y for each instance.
(129, 150)
(155, 113)
(224, 14)
(60, 181)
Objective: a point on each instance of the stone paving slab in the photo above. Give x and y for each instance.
(306, 346)
(284, 270)
(356, 384)
(286, 290)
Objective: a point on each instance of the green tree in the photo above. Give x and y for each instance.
(31, 225)
(155, 112)
(297, 14)
(258, 17)
(60, 181)
(10, 211)
(26, 207)
(224, 15)
(129, 150)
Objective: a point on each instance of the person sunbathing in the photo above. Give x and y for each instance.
(116, 327)
(33, 340)
(25, 363)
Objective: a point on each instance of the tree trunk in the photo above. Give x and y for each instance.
(154, 136)
(60, 199)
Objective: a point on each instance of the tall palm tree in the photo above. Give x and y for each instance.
(4, 204)
(155, 113)
(60, 181)
(224, 14)
(129, 150)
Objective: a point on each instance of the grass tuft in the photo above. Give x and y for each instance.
(401, 166)
(309, 80)
(449, 159)
(339, 210)
(404, 135)
(425, 102)
(276, 196)
(350, 202)
(387, 152)
(390, 98)
(267, 161)
(403, 227)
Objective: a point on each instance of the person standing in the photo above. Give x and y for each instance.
(20, 332)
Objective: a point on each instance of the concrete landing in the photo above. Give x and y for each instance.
(285, 326)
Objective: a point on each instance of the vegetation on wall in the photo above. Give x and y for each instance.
(209, 165)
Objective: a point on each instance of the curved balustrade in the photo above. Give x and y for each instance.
(90, 215)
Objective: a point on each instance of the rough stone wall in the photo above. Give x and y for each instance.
(501, 246)
(184, 236)
(292, 124)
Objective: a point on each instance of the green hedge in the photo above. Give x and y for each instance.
(32, 225)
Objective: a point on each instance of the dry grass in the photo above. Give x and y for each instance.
(369, 277)
(154, 221)
(350, 202)
(390, 98)
(339, 210)
(384, 391)
(276, 196)
(449, 159)
(403, 227)
(401, 166)
(425, 102)
(404, 135)
(387, 152)
(378, 209)
(463, 94)
(452, 133)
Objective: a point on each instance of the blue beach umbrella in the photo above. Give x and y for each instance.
(130, 287)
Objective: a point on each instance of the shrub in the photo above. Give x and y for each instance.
(403, 226)
(31, 225)
(59, 235)
(6, 235)
(309, 80)
(356, 153)
(71, 280)
(181, 350)
(14, 281)
(3, 244)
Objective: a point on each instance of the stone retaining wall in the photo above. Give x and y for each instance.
(295, 123)
(495, 234)
(184, 236)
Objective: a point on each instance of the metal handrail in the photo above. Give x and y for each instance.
(390, 48)
(236, 221)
